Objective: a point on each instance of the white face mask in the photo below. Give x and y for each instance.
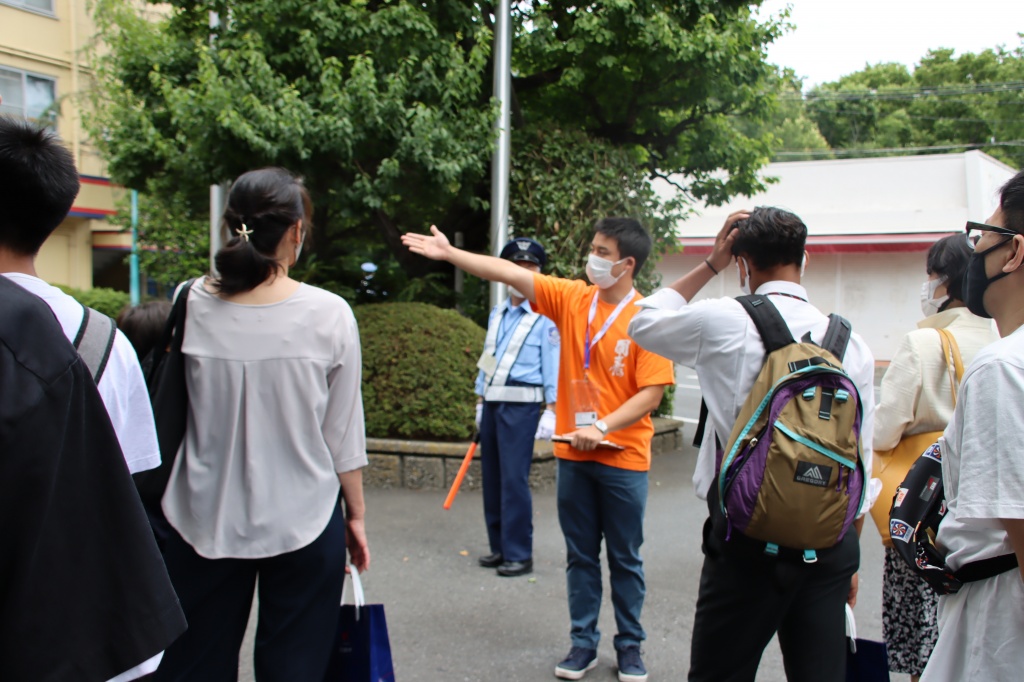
(599, 271)
(744, 282)
(803, 266)
(298, 247)
(929, 303)
(512, 291)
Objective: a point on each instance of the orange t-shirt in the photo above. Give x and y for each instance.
(618, 369)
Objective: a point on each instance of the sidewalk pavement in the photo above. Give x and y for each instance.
(449, 619)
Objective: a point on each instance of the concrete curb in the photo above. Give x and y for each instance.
(420, 465)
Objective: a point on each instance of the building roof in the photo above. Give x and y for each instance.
(896, 203)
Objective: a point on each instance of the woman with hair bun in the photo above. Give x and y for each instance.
(275, 441)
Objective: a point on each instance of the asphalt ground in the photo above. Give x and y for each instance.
(449, 619)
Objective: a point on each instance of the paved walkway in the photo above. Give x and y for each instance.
(451, 620)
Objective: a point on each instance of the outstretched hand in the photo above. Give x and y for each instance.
(434, 246)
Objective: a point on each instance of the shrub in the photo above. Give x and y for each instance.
(107, 301)
(419, 364)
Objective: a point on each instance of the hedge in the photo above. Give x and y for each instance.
(107, 301)
(419, 365)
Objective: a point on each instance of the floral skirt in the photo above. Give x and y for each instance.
(909, 616)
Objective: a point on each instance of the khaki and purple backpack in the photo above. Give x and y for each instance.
(792, 474)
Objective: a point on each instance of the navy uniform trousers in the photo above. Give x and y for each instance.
(506, 452)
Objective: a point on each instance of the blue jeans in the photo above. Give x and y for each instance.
(594, 501)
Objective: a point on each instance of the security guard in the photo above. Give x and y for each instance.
(518, 375)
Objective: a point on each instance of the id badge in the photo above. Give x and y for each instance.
(584, 400)
(487, 363)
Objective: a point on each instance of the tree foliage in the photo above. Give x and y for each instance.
(969, 101)
(384, 107)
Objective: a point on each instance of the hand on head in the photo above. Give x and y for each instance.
(721, 252)
(434, 246)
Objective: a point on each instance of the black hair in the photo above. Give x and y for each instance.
(267, 203)
(948, 258)
(1011, 201)
(633, 240)
(771, 237)
(143, 324)
(38, 184)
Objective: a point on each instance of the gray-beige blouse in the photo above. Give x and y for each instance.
(275, 413)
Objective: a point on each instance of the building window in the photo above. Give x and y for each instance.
(28, 95)
(45, 6)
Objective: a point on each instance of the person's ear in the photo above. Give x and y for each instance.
(1017, 257)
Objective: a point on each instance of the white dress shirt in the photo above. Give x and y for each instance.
(717, 338)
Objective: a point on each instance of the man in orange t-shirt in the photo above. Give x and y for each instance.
(607, 388)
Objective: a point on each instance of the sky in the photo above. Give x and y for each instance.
(832, 38)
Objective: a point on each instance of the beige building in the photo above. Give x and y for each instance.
(43, 75)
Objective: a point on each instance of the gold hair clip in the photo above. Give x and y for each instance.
(244, 232)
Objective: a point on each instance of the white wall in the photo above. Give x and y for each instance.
(879, 293)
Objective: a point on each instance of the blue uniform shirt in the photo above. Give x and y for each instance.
(537, 363)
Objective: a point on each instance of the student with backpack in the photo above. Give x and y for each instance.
(785, 455)
(38, 183)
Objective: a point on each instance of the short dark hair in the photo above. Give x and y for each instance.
(267, 202)
(771, 237)
(1011, 201)
(143, 324)
(948, 258)
(633, 240)
(38, 184)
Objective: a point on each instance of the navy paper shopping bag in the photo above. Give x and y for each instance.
(362, 650)
(866, 661)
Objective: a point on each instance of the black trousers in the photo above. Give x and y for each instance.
(299, 593)
(746, 597)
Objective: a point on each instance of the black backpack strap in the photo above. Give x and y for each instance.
(837, 336)
(773, 329)
(702, 423)
(174, 331)
(986, 568)
(94, 341)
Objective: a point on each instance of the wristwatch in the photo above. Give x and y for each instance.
(601, 426)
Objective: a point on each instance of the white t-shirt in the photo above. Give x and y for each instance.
(122, 385)
(981, 628)
(983, 455)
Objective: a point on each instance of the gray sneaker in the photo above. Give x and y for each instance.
(631, 666)
(576, 664)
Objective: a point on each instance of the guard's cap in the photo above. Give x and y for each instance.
(524, 248)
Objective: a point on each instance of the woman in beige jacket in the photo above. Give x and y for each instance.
(917, 398)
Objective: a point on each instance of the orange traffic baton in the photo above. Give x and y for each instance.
(462, 473)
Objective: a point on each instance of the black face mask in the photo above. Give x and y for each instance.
(976, 282)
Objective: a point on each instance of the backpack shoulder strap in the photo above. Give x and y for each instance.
(773, 329)
(94, 341)
(837, 336)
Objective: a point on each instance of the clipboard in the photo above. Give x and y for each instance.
(603, 445)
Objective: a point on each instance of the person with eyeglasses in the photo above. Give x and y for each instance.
(917, 397)
(981, 627)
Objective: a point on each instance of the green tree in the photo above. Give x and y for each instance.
(969, 101)
(384, 107)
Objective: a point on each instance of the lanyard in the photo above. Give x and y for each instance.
(588, 344)
(782, 293)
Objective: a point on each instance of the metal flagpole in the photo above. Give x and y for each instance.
(216, 191)
(500, 162)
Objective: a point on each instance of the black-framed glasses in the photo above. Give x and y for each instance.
(974, 231)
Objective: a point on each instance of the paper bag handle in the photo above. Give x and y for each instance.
(851, 629)
(358, 598)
